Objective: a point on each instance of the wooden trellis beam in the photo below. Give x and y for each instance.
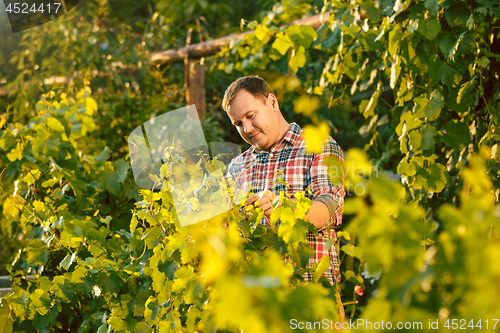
(211, 47)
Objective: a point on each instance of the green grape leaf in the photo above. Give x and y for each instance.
(429, 28)
(434, 107)
(329, 243)
(353, 251)
(432, 6)
(303, 204)
(415, 140)
(341, 234)
(152, 236)
(433, 178)
(298, 60)
(6, 321)
(229, 68)
(7, 140)
(281, 181)
(367, 107)
(394, 40)
(428, 141)
(457, 14)
(37, 252)
(90, 106)
(410, 120)
(53, 144)
(168, 268)
(40, 300)
(275, 216)
(430, 108)
(492, 7)
(16, 153)
(67, 261)
(112, 179)
(77, 185)
(326, 37)
(463, 89)
(142, 327)
(261, 32)
(151, 310)
(110, 282)
(303, 35)
(323, 265)
(103, 328)
(104, 155)
(301, 253)
(409, 169)
(121, 170)
(448, 74)
(446, 43)
(395, 71)
(133, 223)
(292, 231)
(192, 317)
(443, 72)
(54, 124)
(19, 303)
(32, 176)
(371, 40)
(457, 135)
(282, 43)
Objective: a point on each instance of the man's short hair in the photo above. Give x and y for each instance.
(253, 84)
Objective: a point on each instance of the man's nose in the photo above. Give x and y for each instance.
(247, 127)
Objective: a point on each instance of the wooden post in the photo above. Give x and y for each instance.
(195, 93)
(194, 80)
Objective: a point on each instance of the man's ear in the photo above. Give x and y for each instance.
(274, 102)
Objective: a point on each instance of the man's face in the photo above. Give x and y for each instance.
(255, 119)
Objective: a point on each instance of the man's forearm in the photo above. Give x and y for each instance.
(318, 214)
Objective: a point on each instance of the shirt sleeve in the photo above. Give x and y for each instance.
(328, 200)
(323, 188)
(231, 170)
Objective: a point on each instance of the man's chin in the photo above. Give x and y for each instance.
(259, 143)
(261, 146)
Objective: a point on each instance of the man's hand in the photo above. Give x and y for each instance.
(317, 215)
(263, 199)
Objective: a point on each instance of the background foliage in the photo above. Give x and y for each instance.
(409, 90)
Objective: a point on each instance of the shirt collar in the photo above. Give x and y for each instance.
(291, 136)
(293, 133)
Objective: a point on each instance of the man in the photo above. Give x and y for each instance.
(277, 145)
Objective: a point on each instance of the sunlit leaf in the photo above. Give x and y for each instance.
(54, 124)
(303, 35)
(16, 153)
(298, 59)
(353, 251)
(67, 261)
(431, 108)
(282, 43)
(306, 105)
(394, 40)
(323, 265)
(315, 136)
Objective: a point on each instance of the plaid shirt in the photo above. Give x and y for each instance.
(301, 170)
